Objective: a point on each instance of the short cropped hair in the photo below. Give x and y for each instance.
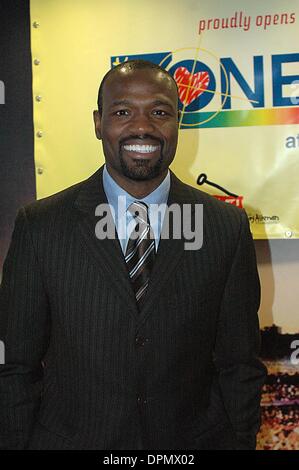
(134, 64)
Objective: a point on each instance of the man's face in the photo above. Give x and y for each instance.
(139, 123)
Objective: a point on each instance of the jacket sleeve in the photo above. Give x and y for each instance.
(24, 332)
(240, 373)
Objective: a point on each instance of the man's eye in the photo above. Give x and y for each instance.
(122, 112)
(160, 112)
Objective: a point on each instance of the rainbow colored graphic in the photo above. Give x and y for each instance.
(242, 118)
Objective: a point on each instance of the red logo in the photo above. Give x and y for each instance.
(190, 89)
(235, 201)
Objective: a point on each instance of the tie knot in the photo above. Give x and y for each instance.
(139, 210)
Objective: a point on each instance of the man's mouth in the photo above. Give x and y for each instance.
(144, 149)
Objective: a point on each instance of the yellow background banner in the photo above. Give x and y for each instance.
(239, 130)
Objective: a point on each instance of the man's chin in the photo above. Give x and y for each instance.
(141, 170)
(140, 174)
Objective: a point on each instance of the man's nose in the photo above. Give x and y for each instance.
(142, 124)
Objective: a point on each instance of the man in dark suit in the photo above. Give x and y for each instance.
(131, 341)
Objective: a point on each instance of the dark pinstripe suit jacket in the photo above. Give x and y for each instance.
(85, 370)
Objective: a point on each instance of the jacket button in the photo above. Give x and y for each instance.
(140, 341)
(141, 401)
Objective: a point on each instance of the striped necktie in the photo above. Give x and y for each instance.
(140, 252)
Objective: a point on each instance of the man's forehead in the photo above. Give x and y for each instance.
(124, 79)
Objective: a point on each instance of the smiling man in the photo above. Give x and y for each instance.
(130, 342)
(138, 125)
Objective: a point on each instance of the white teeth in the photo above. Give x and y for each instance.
(141, 148)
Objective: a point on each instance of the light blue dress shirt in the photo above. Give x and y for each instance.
(123, 218)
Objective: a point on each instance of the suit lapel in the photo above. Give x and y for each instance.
(107, 253)
(170, 250)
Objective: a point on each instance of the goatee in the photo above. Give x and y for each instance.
(141, 171)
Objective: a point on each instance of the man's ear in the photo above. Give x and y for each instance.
(97, 124)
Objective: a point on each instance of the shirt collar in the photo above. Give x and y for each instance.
(113, 191)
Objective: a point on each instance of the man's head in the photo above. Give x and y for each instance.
(137, 120)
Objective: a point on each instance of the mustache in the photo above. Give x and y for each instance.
(124, 140)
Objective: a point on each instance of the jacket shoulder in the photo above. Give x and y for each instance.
(212, 204)
(221, 220)
(54, 206)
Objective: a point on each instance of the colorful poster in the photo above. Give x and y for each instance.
(280, 399)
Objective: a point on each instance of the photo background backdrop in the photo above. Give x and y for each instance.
(240, 119)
